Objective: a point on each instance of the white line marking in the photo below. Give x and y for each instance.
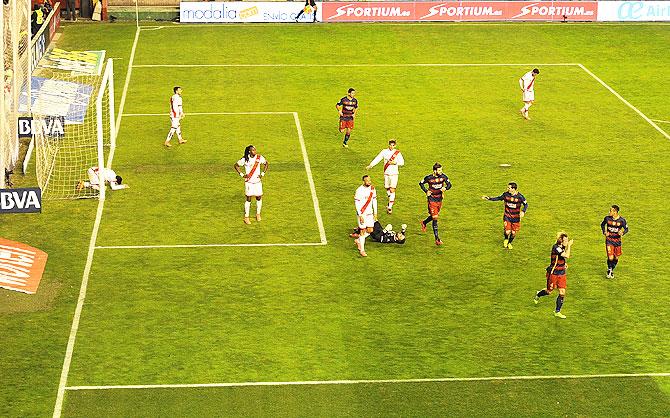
(649, 121)
(124, 247)
(67, 361)
(167, 114)
(310, 180)
(357, 65)
(661, 121)
(356, 382)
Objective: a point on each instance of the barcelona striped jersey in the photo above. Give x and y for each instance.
(514, 204)
(349, 105)
(435, 184)
(557, 266)
(616, 228)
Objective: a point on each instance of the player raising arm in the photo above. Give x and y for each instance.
(556, 272)
(515, 209)
(392, 160)
(255, 167)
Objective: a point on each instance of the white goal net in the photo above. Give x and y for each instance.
(75, 116)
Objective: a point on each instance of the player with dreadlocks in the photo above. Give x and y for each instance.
(255, 167)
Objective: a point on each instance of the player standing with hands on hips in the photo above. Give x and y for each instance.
(255, 167)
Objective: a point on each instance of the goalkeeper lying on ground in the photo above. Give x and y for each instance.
(108, 176)
(384, 235)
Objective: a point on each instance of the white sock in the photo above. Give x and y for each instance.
(391, 199)
(247, 206)
(526, 106)
(169, 135)
(179, 133)
(361, 239)
(259, 204)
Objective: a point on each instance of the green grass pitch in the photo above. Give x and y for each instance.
(226, 314)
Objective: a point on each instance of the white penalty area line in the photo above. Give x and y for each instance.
(661, 121)
(371, 381)
(166, 114)
(358, 65)
(67, 361)
(282, 244)
(649, 121)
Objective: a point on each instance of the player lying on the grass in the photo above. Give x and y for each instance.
(365, 200)
(384, 235)
(255, 167)
(515, 209)
(392, 160)
(108, 176)
(347, 107)
(614, 227)
(434, 185)
(176, 115)
(556, 272)
(527, 84)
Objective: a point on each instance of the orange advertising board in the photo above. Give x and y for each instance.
(21, 266)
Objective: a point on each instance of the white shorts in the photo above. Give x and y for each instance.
(176, 122)
(390, 181)
(368, 221)
(93, 179)
(528, 96)
(253, 189)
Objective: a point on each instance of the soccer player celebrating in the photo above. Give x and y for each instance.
(515, 209)
(365, 200)
(392, 160)
(612, 227)
(310, 7)
(253, 175)
(434, 185)
(347, 107)
(527, 84)
(176, 115)
(556, 277)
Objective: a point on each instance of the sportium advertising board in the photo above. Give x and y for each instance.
(459, 11)
(241, 12)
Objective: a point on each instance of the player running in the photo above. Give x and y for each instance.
(515, 209)
(176, 115)
(556, 276)
(392, 160)
(347, 108)
(612, 227)
(527, 84)
(255, 167)
(434, 185)
(310, 7)
(365, 200)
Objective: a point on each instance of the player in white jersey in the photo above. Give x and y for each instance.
(176, 115)
(527, 84)
(255, 167)
(392, 160)
(108, 175)
(365, 200)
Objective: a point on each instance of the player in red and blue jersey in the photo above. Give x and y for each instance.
(347, 107)
(434, 185)
(613, 227)
(515, 209)
(556, 272)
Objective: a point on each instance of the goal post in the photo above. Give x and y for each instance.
(75, 116)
